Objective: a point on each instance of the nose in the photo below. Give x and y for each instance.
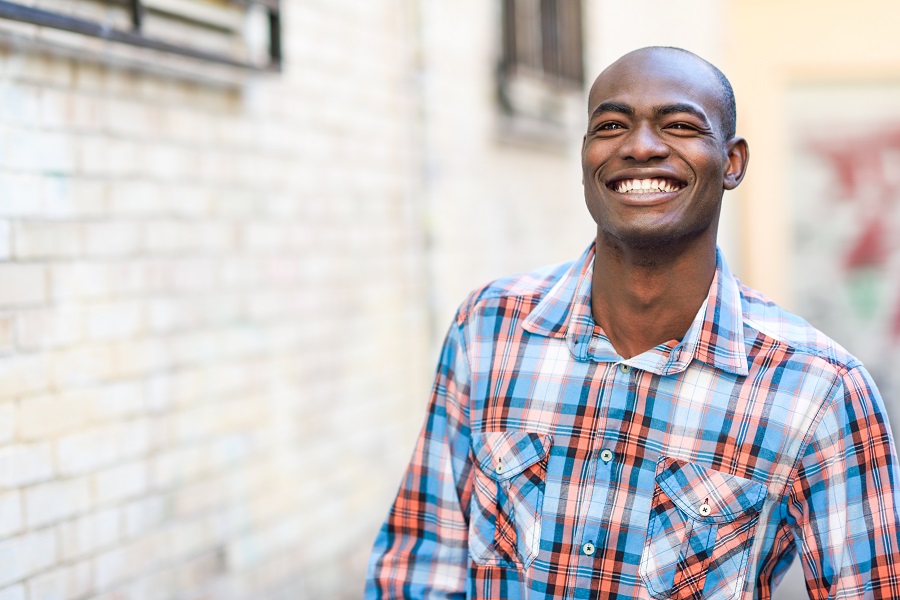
(643, 144)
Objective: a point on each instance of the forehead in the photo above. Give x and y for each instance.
(658, 77)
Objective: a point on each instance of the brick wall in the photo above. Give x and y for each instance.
(220, 305)
(212, 317)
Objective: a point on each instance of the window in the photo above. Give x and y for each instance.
(234, 33)
(541, 61)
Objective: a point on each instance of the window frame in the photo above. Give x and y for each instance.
(543, 39)
(539, 88)
(15, 11)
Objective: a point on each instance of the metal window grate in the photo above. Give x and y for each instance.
(543, 38)
(220, 22)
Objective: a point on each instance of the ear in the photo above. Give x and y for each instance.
(738, 153)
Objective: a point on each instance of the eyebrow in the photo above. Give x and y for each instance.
(616, 107)
(671, 109)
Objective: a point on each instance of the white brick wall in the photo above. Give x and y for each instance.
(27, 554)
(56, 500)
(24, 464)
(219, 306)
(15, 592)
(11, 513)
(84, 535)
(23, 284)
(65, 583)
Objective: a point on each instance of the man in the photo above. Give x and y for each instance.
(638, 424)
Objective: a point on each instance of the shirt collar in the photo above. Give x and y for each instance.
(715, 338)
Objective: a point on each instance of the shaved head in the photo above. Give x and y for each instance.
(726, 103)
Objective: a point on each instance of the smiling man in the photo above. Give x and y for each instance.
(637, 423)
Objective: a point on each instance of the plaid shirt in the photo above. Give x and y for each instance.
(549, 467)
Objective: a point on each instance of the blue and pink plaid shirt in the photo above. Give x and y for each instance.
(549, 467)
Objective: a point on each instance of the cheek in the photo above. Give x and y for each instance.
(712, 164)
(594, 205)
(589, 178)
(593, 156)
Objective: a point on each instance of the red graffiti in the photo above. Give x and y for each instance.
(866, 171)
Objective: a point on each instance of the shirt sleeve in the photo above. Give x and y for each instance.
(422, 549)
(844, 500)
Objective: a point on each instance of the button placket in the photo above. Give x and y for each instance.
(594, 529)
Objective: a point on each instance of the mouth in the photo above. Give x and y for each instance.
(654, 185)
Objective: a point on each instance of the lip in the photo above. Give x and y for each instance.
(648, 199)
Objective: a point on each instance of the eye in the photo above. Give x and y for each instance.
(609, 126)
(683, 126)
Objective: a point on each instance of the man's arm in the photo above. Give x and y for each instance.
(422, 550)
(844, 500)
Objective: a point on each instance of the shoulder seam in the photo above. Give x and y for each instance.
(819, 352)
(512, 287)
(478, 296)
(817, 420)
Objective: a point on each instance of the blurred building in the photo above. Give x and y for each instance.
(222, 285)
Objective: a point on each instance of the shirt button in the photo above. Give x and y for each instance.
(499, 468)
(588, 549)
(705, 509)
(625, 368)
(606, 455)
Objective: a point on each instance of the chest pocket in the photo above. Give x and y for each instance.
(507, 497)
(700, 532)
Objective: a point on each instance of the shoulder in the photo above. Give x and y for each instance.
(765, 317)
(531, 286)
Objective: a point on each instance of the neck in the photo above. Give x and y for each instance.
(643, 297)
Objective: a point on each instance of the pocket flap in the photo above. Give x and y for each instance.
(708, 495)
(505, 454)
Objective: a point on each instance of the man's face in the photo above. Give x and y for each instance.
(654, 160)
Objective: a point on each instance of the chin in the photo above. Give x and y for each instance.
(661, 241)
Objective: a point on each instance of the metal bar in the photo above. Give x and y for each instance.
(275, 36)
(35, 16)
(137, 15)
(508, 56)
(270, 4)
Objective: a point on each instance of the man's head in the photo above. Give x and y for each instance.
(660, 148)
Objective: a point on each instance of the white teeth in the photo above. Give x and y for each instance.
(645, 185)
